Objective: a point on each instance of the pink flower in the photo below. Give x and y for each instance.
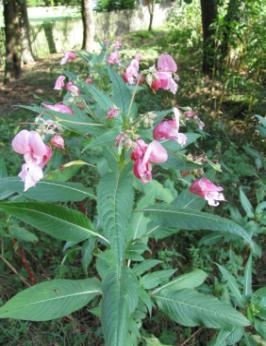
(190, 114)
(193, 115)
(89, 80)
(59, 107)
(166, 63)
(57, 141)
(114, 58)
(165, 81)
(72, 88)
(169, 130)
(207, 190)
(69, 56)
(36, 155)
(112, 113)
(59, 83)
(123, 141)
(132, 75)
(117, 45)
(144, 155)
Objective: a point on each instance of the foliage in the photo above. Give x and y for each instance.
(115, 5)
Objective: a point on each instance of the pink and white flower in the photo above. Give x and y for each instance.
(131, 74)
(59, 107)
(169, 130)
(58, 141)
(144, 155)
(165, 77)
(207, 190)
(60, 83)
(36, 155)
(112, 113)
(114, 58)
(68, 56)
(72, 88)
(88, 80)
(165, 81)
(117, 44)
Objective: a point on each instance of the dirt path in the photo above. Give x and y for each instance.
(36, 82)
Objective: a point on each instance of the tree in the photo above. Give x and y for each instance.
(27, 53)
(151, 6)
(88, 25)
(232, 16)
(209, 17)
(12, 40)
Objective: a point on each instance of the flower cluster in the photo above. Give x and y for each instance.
(144, 155)
(114, 57)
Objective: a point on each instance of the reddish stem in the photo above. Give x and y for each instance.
(26, 265)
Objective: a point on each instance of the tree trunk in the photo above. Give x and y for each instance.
(209, 16)
(88, 25)
(27, 53)
(150, 4)
(233, 15)
(12, 40)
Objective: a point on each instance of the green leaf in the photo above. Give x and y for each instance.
(232, 285)
(51, 299)
(188, 200)
(120, 298)
(246, 205)
(248, 278)
(3, 169)
(115, 202)
(21, 234)
(144, 266)
(46, 191)
(190, 280)
(228, 337)
(79, 122)
(102, 100)
(156, 278)
(121, 93)
(259, 301)
(190, 308)
(59, 222)
(87, 254)
(190, 219)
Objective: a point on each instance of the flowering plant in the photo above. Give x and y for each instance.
(135, 154)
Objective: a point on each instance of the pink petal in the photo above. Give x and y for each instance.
(166, 63)
(30, 174)
(20, 143)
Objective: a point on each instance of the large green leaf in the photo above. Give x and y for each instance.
(190, 308)
(190, 219)
(46, 191)
(232, 285)
(121, 93)
(151, 280)
(102, 100)
(51, 299)
(115, 202)
(78, 122)
(59, 222)
(189, 280)
(120, 298)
